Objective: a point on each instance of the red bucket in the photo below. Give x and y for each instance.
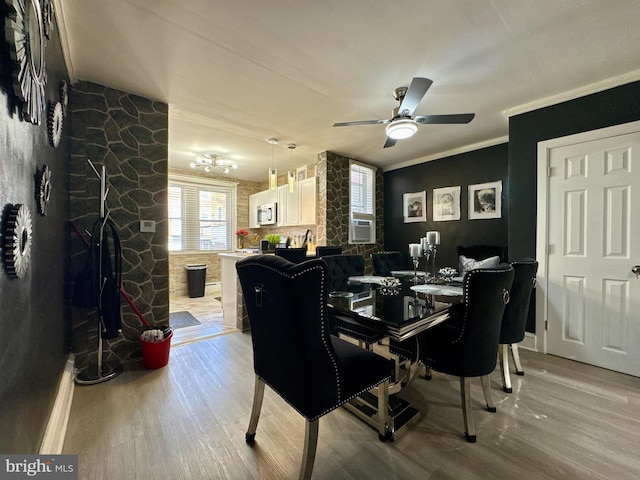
(156, 354)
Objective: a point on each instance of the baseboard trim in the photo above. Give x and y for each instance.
(56, 431)
(530, 342)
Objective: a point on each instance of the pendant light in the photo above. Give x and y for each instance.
(291, 174)
(273, 172)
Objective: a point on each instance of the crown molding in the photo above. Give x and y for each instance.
(573, 94)
(449, 153)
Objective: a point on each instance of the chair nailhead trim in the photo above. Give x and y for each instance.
(466, 296)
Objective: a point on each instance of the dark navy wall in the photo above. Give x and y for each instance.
(33, 312)
(604, 109)
(480, 166)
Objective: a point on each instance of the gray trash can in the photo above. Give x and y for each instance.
(196, 275)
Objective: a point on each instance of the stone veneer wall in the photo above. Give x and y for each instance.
(127, 134)
(335, 200)
(177, 260)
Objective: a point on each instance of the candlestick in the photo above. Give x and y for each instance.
(415, 250)
(433, 238)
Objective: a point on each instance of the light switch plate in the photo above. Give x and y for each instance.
(148, 226)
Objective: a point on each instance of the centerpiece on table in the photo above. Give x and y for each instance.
(241, 233)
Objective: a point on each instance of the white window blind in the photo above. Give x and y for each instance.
(362, 214)
(201, 216)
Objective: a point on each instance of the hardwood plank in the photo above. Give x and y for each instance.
(188, 420)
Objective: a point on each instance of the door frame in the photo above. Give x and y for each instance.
(542, 237)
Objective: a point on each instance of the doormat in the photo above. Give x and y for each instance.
(182, 319)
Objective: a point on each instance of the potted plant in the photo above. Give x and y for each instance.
(273, 239)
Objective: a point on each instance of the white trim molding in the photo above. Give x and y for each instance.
(542, 237)
(64, 40)
(449, 153)
(573, 94)
(56, 430)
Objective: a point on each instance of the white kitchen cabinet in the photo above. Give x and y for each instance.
(306, 201)
(255, 201)
(294, 208)
(287, 206)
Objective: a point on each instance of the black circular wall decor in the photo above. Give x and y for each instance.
(44, 190)
(17, 241)
(24, 32)
(54, 123)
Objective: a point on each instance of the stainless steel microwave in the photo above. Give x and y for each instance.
(268, 214)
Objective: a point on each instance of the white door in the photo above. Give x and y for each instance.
(593, 298)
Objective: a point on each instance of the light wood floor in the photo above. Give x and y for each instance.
(564, 420)
(207, 309)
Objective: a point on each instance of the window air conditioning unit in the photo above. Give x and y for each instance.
(361, 231)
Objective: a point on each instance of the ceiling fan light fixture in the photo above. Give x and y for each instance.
(401, 128)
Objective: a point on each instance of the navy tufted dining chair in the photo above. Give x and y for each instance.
(341, 267)
(385, 262)
(514, 319)
(293, 351)
(467, 344)
(324, 250)
(295, 255)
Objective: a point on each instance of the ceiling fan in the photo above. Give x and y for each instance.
(401, 124)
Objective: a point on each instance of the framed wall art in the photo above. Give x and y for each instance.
(415, 207)
(485, 200)
(446, 204)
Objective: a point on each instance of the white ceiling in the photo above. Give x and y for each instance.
(235, 73)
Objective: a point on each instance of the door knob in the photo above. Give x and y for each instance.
(636, 270)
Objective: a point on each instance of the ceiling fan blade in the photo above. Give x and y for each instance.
(361, 122)
(453, 118)
(412, 98)
(389, 143)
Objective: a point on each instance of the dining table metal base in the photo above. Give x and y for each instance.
(400, 412)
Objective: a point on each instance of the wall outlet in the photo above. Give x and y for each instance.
(147, 226)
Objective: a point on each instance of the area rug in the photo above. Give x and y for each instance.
(182, 319)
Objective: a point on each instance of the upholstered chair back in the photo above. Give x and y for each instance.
(295, 255)
(341, 267)
(514, 319)
(287, 308)
(385, 262)
(481, 252)
(467, 345)
(324, 250)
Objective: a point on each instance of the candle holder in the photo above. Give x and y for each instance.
(415, 252)
(431, 252)
(416, 263)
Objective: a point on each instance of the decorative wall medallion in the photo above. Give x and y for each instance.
(44, 190)
(54, 123)
(47, 17)
(17, 241)
(24, 31)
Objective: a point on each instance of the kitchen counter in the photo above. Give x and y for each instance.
(234, 313)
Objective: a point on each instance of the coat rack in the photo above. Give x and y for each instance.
(102, 372)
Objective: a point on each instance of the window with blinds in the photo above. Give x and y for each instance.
(201, 216)
(362, 214)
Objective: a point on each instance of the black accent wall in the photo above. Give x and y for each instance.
(34, 333)
(480, 166)
(599, 110)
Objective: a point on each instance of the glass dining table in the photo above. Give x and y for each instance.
(397, 309)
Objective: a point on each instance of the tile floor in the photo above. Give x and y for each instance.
(207, 309)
